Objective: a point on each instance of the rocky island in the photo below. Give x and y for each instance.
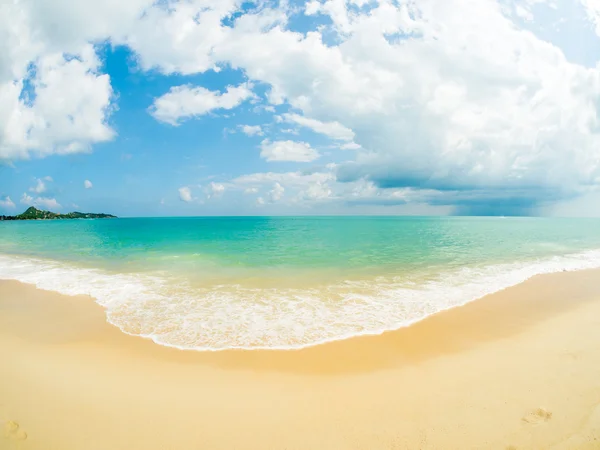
(33, 213)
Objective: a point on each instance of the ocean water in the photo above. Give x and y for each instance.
(286, 282)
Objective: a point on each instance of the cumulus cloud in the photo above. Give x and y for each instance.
(215, 190)
(334, 130)
(39, 187)
(40, 202)
(183, 102)
(252, 130)
(6, 202)
(442, 95)
(276, 193)
(287, 151)
(306, 187)
(88, 184)
(311, 188)
(65, 111)
(49, 203)
(298, 178)
(350, 146)
(592, 8)
(185, 194)
(180, 37)
(317, 191)
(448, 96)
(26, 199)
(312, 7)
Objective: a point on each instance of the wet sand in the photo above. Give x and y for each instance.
(519, 369)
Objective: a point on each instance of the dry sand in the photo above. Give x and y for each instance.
(519, 369)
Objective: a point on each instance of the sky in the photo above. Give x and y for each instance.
(267, 107)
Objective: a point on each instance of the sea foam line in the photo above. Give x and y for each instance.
(237, 317)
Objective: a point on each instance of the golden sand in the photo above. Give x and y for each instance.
(519, 369)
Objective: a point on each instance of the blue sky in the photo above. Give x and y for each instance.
(196, 107)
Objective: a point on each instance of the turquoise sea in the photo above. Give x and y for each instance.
(286, 282)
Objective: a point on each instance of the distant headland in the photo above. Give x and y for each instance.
(37, 214)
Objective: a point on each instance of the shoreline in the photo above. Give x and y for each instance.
(484, 282)
(519, 368)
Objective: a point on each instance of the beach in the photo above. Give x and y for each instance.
(518, 369)
(300, 225)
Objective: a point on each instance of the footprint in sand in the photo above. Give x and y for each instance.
(10, 427)
(538, 415)
(12, 430)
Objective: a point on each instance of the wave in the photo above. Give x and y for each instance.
(215, 318)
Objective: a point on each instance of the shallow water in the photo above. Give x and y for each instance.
(289, 282)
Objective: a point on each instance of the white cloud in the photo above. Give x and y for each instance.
(252, 130)
(186, 101)
(26, 199)
(364, 189)
(49, 203)
(334, 130)
(53, 98)
(287, 151)
(312, 7)
(298, 179)
(592, 8)
(215, 190)
(180, 37)
(185, 194)
(523, 13)
(39, 187)
(308, 187)
(350, 146)
(40, 202)
(88, 184)
(317, 191)
(67, 112)
(306, 190)
(6, 202)
(48, 178)
(276, 193)
(437, 93)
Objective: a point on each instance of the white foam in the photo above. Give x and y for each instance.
(238, 317)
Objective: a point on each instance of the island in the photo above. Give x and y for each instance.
(33, 213)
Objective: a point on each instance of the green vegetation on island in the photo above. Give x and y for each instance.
(37, 214)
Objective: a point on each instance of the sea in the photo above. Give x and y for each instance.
(219, 283)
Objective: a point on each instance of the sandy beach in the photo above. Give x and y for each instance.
(519, 369)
